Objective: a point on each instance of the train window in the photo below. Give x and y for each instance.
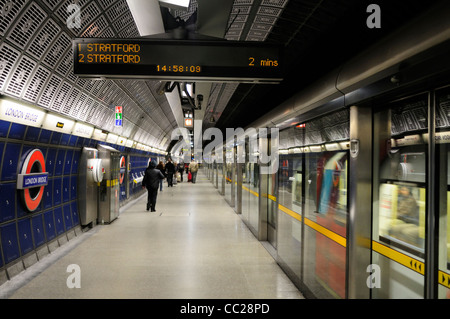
(290, 182)
(442, 138)
(399, 196)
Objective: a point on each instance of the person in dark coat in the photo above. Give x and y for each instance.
(151, 180)
(180, 169)
(170, 170)
(160, 166)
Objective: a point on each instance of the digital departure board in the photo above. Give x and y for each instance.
(174, 60)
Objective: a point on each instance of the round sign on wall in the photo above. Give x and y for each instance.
(122, 169)
(32, 179)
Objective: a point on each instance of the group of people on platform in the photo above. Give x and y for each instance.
(155, 174)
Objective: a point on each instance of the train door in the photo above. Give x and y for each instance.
(253, 198)
(250, 188)
(245, 193)
(399, 198)
(272, 190)
(238, 177)
(442, 138)
(229, 174)
(245, 197)
(325, 182)
(290, 209)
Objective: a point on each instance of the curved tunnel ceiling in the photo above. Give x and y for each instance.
(36, 66)
(36, 62)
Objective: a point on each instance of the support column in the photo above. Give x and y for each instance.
(360, 203)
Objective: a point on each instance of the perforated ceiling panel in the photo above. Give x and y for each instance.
(250, 20)
(36, 65)
(36, 62)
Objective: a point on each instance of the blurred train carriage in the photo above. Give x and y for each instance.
(360, 204)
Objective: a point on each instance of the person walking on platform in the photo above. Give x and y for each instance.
(170, 170)
(160, 166)
(180, 169)
(151, 180)
(193, 168)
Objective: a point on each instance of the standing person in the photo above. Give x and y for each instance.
(151, 180)
(161, 168)
(181, 170)
(193, 168)
(170, 170)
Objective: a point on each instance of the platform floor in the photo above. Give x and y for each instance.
(193, 246)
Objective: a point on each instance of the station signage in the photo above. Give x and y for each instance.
(118, 116)
(83, 130)
(178, 60)
(17, 112)
(58, 123)
(32, 179)
(188, 122)
(122, 169)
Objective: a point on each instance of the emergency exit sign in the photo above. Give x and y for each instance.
(119, 116)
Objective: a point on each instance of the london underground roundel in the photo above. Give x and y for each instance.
(122, 169)
(32, 179)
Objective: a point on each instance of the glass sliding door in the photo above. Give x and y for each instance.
(290, 192)
(253, 189)
(442, 138)
(399, 197)
(229, 180)
(325, 201)
(245, 192)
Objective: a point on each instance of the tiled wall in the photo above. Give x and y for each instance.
(27, 237)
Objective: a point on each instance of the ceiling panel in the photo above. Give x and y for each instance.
(36, 58)
(36, 64)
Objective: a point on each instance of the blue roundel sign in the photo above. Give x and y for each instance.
(32, 179)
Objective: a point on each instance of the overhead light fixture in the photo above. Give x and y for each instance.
(187, 92)
(175, 4)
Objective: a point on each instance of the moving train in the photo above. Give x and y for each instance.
(359, 204)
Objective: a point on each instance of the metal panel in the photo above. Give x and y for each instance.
(43, 39)
(60, 97)
(66, 63)
(8, 56)
(21, 74)
(87, 190)
(360, 194)
(49, 91)
(9, 11)
(36, 84)
(263, 205)
(95, 28)
(25, 27)
(108, 207)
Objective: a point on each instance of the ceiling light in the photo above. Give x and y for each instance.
(175, 4)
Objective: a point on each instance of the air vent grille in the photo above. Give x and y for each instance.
(21, 74)
(27, 25)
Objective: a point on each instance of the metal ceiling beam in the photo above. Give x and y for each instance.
(147, 16)
(213, 16)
